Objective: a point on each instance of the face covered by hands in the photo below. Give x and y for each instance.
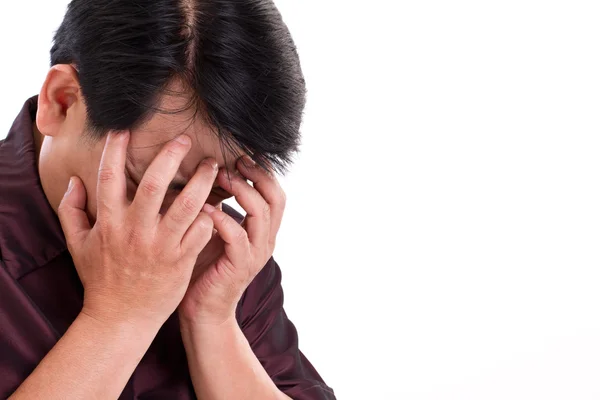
(138, 263)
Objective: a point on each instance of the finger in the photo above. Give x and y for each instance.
(71, 212)
(198, 235)
(269, 188)
(233, 234)
(111, 190)
(186, 207)
(209, 254)
(258, 217)
(154, 184)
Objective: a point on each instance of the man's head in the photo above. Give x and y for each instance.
(225, 72)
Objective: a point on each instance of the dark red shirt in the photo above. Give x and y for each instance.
(41, 295)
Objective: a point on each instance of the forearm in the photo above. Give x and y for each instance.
(223, 366)
(91, 361)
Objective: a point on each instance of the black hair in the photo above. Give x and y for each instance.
(236, 58)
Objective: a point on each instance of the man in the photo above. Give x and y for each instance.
(122, 273)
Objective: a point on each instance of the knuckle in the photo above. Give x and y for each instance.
(205, 222)
(172, 153)
(241, 235)
(176, 218)
(202, 232)
(103, 203)
(266, 211)
(106, 174)
(151, 185)
(63, 209)
(104, 226)
(189, 205)
(225, 221)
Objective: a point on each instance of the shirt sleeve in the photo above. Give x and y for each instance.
(274, 339)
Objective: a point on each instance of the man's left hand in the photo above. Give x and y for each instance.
(237, 252)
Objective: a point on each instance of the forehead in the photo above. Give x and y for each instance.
(148, 139)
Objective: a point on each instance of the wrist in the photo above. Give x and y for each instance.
(203, 318)
(206, 323)
(120, 327)
(109, 311)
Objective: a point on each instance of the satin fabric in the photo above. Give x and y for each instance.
(41, 295)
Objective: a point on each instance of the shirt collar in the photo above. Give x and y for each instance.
(30, 232)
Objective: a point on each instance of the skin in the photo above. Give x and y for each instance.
(144, 253)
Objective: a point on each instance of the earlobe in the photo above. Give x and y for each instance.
(59, 92)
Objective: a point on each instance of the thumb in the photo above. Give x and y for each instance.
(71, 211)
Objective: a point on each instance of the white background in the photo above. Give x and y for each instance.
(441, 239)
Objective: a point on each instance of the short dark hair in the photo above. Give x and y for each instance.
(236, 57)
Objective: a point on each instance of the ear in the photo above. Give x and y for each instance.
(59, 92)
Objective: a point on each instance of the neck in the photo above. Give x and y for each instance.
(38, 138)
(47, 178)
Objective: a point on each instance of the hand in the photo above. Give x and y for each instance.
(134, 263)
(220, 279)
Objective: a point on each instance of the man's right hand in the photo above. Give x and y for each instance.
(135, 264)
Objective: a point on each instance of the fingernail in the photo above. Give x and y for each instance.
(249, 160)
(209, 208)
(183, 139)
(213, 164)
(71, 183)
